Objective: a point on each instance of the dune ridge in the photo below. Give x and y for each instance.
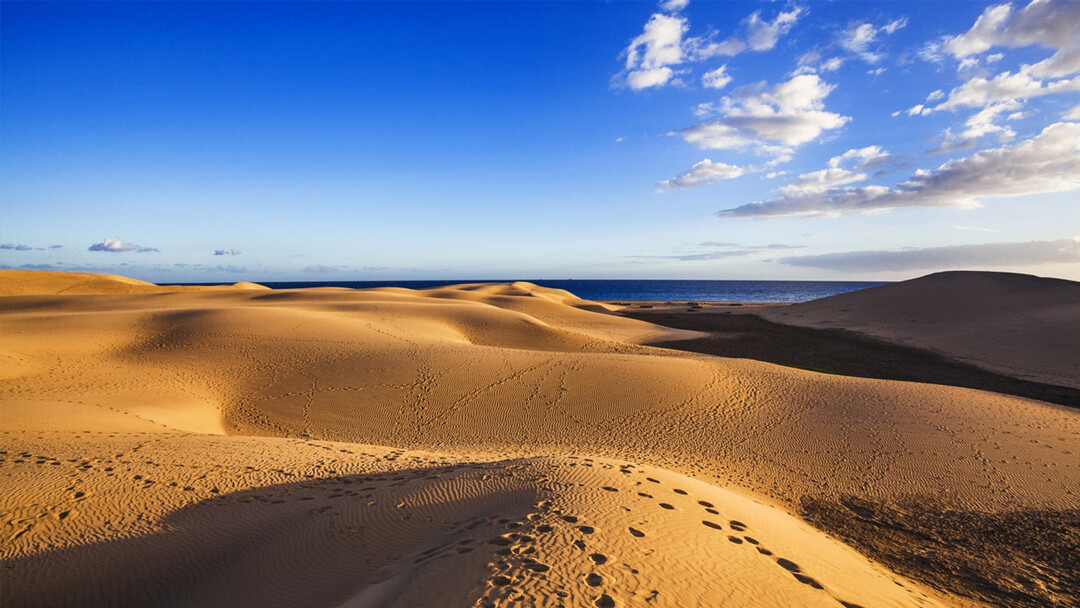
(147, 433)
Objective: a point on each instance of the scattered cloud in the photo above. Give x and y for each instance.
(757, 35)
(1047, 23)
(701, 174)
(716, 79)
(1048, 162)
(673, 6)
(865, 158)
(228, 268)
(227, 252)
(859, 37)
(790, 114)
(16, 247)
(650, 56)
(821, 181)
(722, 251)
(1073, 113)
(115, 245)
(944, 258)
(56, 246)
(975, 229)
(654, 57)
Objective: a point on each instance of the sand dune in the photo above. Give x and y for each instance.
(217, 448)
(1015, 324)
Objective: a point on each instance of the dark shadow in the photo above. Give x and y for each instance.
(1025, 559)
(313, 542)
(836, 351)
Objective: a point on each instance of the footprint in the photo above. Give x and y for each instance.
(652, 480)
(752, 541)
(735, 539)
(586, 529)
(605, 601)
(788, 565)
(705, 503)
(764, 551)
(738, 526)
(712, 525)
(593, 580)
(678, 491)
(644, 495)
(610, 489)
(806, 580)
(665, 505)
(500, 581)
(580, 544)
(569, 519)
(598, 558)
(636, 533)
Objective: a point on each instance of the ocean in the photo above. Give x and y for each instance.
(644, 290)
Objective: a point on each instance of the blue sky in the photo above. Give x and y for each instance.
(212, 142)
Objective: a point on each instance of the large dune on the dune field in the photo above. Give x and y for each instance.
(217, 448)
(1019, 325)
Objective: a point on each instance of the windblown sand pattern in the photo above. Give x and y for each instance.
(480, 445)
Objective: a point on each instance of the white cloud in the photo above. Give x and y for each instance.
(1048, 162)
(721, 251)
(716, 79)
(831, 65)
(870, 156)
(226, 252)
(762, 35)
(701, 174)
(758, 35)
(858, 37)
(988, 255)
(789, 114)
(1047, 23)
(115, 245)
(1073, 113)
(650, 54)
(1006, 86)
(935, 95)
(820, 181)
(673, 6)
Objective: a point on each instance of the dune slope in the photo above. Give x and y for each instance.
(1015, 324)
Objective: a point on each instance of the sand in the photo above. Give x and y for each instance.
(472, 445)
(1016, 324)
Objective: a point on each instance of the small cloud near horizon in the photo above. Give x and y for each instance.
(227, 252)
(115, 245)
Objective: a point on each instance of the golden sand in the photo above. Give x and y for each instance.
(471, 445)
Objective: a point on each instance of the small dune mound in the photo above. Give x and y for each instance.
(39, 283)
(42, 283)
(1019, 325)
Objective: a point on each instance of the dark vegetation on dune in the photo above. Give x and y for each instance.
(839, 352)
(1022, 559)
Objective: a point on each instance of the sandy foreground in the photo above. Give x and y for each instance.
(483, 445)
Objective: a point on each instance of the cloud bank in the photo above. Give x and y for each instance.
(944, 258)
(1049, 162)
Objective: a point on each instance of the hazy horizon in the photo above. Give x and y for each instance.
(224, 142)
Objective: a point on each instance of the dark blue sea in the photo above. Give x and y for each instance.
(645, 290)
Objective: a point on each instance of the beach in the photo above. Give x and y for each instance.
(509, 444)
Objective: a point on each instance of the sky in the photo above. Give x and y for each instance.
(328, 141)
